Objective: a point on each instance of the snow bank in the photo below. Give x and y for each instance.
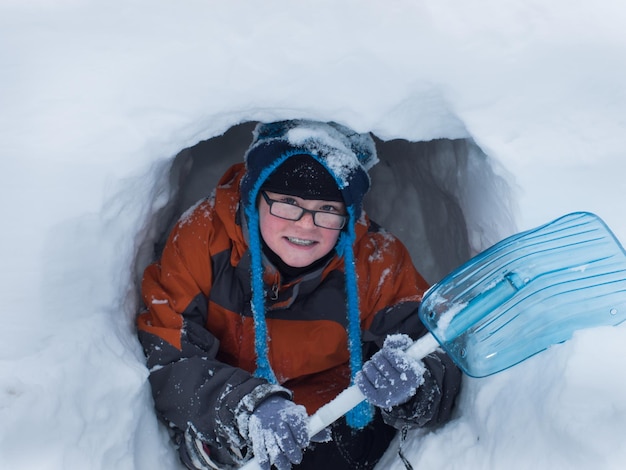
(515, 114)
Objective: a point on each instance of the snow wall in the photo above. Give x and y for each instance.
(508, 114)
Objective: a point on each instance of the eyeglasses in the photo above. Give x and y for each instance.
(287, 211)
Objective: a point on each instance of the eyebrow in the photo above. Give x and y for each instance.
(276, 195)
(339, 207)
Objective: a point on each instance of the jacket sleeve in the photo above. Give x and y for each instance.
(396, 289)
(190, 386)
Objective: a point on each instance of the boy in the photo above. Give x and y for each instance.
(268, 297)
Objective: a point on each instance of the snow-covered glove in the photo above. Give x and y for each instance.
(391, 377)
(278, 432)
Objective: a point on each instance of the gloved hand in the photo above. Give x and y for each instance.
(278, 431)
(391, 376)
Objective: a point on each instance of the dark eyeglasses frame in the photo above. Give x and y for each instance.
(270, 202)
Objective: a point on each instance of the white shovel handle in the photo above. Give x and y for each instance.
(352, 396)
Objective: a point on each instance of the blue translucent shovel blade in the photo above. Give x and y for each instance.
(528, 292)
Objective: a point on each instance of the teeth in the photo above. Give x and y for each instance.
(299, 241)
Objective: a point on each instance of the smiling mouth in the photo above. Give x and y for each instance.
(300, 241)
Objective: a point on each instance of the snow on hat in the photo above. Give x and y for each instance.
(305, 177)
(346, 156)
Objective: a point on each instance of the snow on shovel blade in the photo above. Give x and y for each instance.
(528, 292)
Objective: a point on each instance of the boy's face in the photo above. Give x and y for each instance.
(298, 243)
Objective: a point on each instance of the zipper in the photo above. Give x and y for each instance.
(275, 289)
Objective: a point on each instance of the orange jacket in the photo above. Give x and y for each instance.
(198, 333)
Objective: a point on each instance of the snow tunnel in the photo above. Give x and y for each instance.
(446, 199)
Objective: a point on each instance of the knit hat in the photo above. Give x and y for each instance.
(305, 177)
(346, 156)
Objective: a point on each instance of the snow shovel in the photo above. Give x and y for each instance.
(516, 299)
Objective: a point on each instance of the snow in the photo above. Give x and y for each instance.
(492, 117)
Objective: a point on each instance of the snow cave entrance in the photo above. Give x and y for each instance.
(445, 198)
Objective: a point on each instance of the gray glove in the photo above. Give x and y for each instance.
(278, 432)
(391, 377)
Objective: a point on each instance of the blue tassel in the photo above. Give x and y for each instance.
(360, 416)
(264, 368)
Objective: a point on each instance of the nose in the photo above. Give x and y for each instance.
(306, 220)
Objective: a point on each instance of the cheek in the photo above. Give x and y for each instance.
(263, 223)
(331, 238)
(268, 225)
